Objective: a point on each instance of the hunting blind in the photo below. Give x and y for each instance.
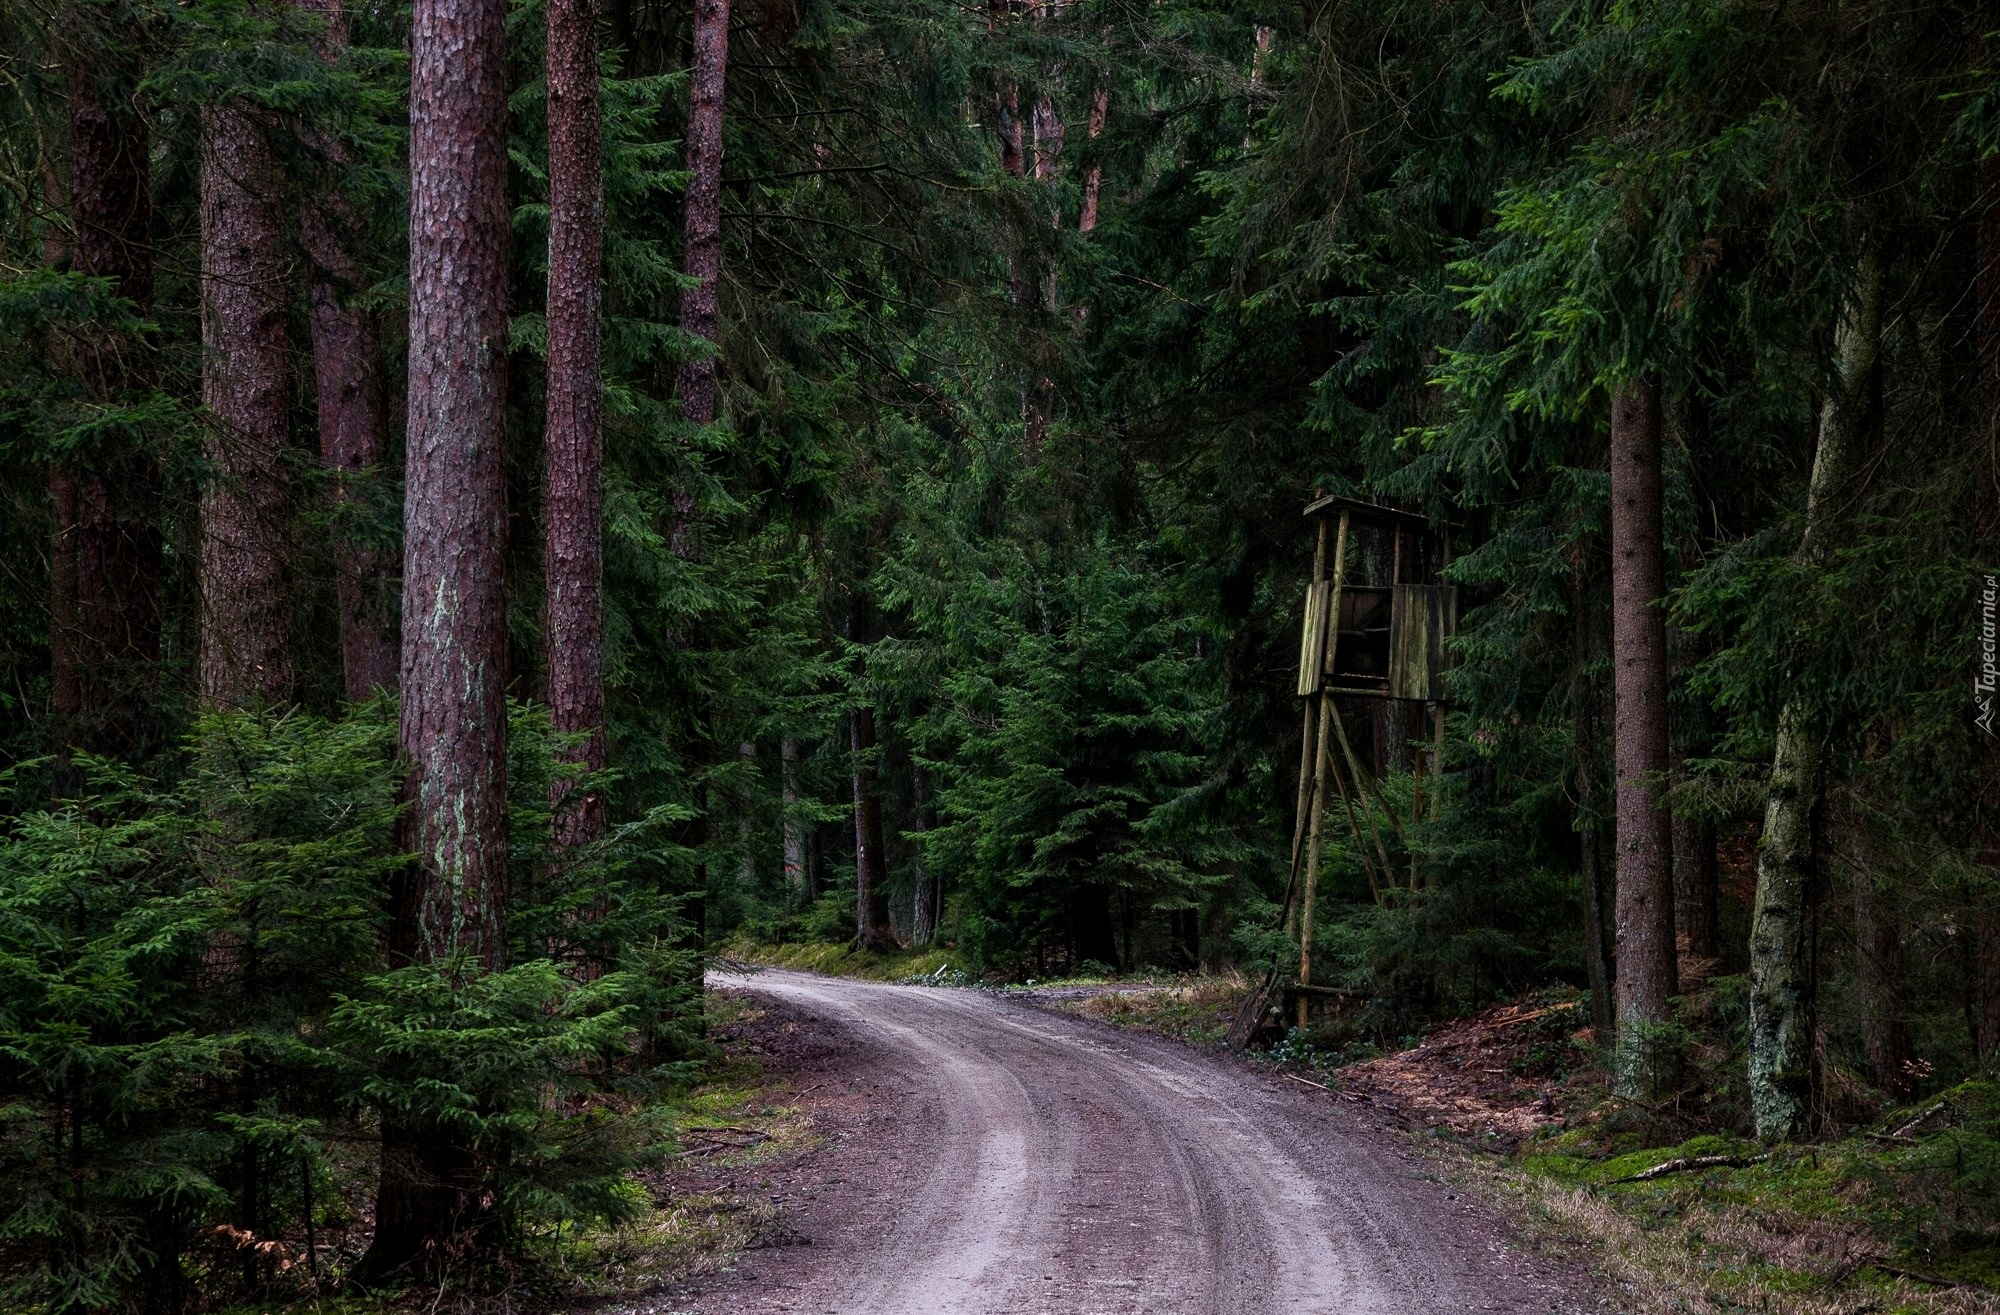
(1378, 619)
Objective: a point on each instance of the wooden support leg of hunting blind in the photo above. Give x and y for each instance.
(1306, 744)
(1361, 793)
(1321, 762)
(1375, 880)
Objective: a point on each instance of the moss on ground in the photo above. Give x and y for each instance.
(843, 960)
(1872, 1222)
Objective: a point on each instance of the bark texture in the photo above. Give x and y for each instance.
(353, 416)
(454, 720)
(871, 903)
(109, 566)
(573, 507)
(246, 611)
(453, 730)
(1645, 901)
(702, 248)
(1781, 998)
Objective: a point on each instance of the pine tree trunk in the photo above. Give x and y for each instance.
(1645, 899)
(353, 414)
(573, 507)
(798, 881)
(246, 606)
(453, 729)
(454, 722)
(700, 305)
(115, 565)
(1695, 889)
(871, 902)
(1781, 1003)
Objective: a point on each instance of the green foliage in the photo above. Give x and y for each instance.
(196, 1012)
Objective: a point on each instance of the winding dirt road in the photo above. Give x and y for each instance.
(1037, 1164)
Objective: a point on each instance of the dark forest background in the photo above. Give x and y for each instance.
(953, 567)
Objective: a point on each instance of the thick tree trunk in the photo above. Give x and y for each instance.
(114, 567)
(454, 717)
(453, 730)
(1645, 903)
(246, 605)
(1781, 1003)
(798, 882)
(871, 903)
(573, 506)
(353, 416)
(700, 305)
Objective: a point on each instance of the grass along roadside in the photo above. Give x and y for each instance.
(840, 960)
(703, 1209)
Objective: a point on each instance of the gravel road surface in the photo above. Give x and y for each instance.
(1019, 1162)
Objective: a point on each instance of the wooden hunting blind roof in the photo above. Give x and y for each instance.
(1334, 502)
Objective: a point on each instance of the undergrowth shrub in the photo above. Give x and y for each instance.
(199, 1025)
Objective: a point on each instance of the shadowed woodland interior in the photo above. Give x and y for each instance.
(502, 500)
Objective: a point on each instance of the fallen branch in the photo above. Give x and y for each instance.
(1923, 1116)
(1689, 1163)
(1894, 1138)
(1309, 1082)
(1914, 1277)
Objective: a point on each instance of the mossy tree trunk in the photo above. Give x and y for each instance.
(1781, 996)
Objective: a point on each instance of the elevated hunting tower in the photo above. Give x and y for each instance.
(1378, 616)
(1377, 622)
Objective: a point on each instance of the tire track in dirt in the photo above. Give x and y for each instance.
(1052, 1166)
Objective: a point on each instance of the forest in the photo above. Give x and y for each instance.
(503, 498)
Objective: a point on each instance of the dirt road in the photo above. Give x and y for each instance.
(1017, 1162)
